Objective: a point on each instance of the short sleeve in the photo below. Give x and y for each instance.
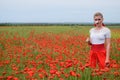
(91, 30)
(108, 33)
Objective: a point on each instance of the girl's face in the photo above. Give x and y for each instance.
(98, 20)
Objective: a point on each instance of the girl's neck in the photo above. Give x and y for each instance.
(99, 27)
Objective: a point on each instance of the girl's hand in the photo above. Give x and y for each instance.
(88, 41)
(107, 63)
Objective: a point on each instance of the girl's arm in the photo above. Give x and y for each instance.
(107, 51)
(88, 41)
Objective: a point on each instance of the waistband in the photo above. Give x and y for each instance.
(97, 44)
(97, 47)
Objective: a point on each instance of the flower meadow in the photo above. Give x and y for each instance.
(53, 53)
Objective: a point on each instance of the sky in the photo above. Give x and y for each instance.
(58, 11)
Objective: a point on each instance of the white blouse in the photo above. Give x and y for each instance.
(99, 36)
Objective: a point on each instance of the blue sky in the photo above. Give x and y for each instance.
(58, 10)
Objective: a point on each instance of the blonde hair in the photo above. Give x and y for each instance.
(98, 14)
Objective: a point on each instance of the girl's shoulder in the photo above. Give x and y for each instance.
(91, 29)
(106, 29)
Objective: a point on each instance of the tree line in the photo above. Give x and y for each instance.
(55, 24)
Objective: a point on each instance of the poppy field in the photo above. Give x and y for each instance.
(53, 53)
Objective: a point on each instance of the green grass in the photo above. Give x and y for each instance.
(25, 30)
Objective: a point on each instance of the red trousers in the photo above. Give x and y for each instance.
(97, 56)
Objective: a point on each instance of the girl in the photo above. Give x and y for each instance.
(99, 40)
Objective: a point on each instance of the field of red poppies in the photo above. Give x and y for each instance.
(53, 53)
